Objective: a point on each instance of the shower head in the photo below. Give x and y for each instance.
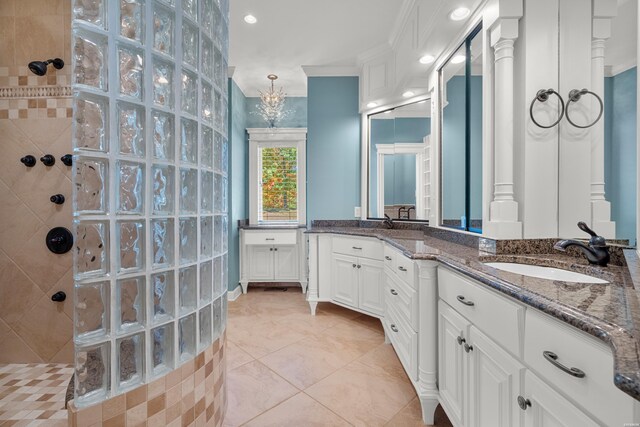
(39, 68)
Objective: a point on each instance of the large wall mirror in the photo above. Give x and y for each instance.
(398, 140)
(620, 118)
(461, 138)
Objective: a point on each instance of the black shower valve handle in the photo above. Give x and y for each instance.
(28, 160)
(48, 160)
(67, 159)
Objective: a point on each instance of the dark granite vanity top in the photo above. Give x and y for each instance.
(610, 312)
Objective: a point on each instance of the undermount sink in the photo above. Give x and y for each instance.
(549, 273)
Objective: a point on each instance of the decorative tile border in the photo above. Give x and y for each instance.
(193, 394)
(24, 95)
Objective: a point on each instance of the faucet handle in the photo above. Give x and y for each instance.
(595, 239)
(584, 227)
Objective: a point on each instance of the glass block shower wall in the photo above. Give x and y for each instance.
(150, 188)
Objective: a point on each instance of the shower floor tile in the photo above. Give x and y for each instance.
(33, 394)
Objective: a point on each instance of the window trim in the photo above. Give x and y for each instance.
(278, 137)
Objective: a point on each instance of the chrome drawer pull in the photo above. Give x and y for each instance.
(393, 328)
(393, 292)
(553, 359)
(461, 340)
(354, 266)
(465, 302)
(468, 347)
(388, 258)
(402, 268)
(355, 247)
(270, 238)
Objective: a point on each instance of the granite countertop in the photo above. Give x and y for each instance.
(610, 312)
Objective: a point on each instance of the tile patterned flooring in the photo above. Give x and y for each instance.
(288, 368)
(33, 394)
(285, 368)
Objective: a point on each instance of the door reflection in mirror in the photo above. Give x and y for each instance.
(398, 139)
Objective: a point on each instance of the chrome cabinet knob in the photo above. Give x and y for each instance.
(523, 403)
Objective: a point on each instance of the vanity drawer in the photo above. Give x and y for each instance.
(404, 267)
(494, 315)
(403, 299)
(358, 247)
(575, 349)
(275, 237)
(404, 341)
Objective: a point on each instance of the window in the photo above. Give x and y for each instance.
(278, 192)
(277, 179)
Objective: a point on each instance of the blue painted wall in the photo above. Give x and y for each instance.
(333, 148)
(399, 187)
(238, 177)
(620, 151)
(297, 118)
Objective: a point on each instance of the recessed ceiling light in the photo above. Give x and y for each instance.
(422, 102)
(408, 94)
(388, 112)
(372, 104)
(459, 14)
(250, 19)
(427, 59)
(458, 59)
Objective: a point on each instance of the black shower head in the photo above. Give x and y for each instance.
(39, 68)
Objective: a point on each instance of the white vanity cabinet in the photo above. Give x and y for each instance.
(272, 255)
(357, 274)
(493, 370)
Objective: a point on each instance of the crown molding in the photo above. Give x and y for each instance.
(401, 22)
(330, 70)
(230, 71)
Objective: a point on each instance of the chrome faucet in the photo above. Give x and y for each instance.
(597, 251)
(388, 221)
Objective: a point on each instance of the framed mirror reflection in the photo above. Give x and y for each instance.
(461, 136)
(398, 155)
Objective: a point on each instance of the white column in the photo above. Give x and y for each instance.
(600, 207)
(503, 211)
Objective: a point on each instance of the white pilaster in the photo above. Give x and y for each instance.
(600, 207)
(503, 211)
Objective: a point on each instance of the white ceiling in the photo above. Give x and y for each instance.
(293, 33)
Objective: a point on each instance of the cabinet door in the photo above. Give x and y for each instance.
(550, 409)
(371, 286)
(260, 262)
(344, 275)
(286, 263)
(451, 361)
(494, 384)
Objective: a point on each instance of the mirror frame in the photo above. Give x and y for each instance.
(366, 153)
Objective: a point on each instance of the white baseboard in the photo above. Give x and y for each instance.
(234, 294)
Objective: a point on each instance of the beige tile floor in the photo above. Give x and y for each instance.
(288, 368)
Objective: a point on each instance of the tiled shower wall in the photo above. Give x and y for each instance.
(34, 119)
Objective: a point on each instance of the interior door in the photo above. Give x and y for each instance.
(344, 274)
(451, 361)
(494, 384)
(261, 264)
(286, 263)
(371, 286)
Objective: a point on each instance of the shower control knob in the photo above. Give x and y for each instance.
(59, 240)
(48, 160)
(58, 199)
(29, 161)
(67, 159)
(59, 296)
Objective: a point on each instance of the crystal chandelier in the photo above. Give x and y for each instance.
(271, 107)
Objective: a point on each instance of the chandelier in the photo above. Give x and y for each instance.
(271, 107)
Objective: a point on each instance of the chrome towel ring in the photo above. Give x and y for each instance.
(574, 96)
(543, 96)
